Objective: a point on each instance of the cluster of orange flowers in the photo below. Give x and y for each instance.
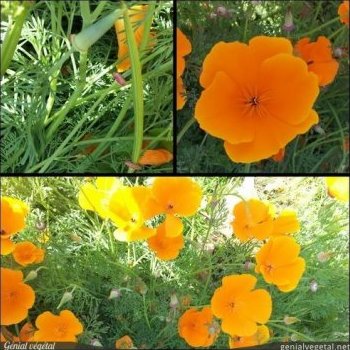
(277, 260)
(242, 310)
(133, 209)
(17, 297)
(246, 101)
(183, 48)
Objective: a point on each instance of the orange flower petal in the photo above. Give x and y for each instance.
(271, 135)
(183, 48)
(343, 12)
(177, 195)
(173, 226)
(27, 332)
(278, 99)
(264, 47)
(156, 157)
(235, 59)
(180, 94)
(286, 223)
(16, 297)
(7, 246)
(229, 105)
(26, 253)
(124, 343)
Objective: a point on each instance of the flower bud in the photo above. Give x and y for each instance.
(221, 11)
(313, 286)
(174, 301)
(119, 79)
(67, 296)
(95, 342)
(288, 25)
(213, 16)
(248, 266)
(290, 320)
(40, 226)
(294, 337)
(323, 256)
(114, 294)
(31, 276)
(337, 52)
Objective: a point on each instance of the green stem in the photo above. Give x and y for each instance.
(247, 168)
(183, 131)
(145, 311)
(136, 86)
(336, 19)
(59, 116)
(292, 330)
(13, 34)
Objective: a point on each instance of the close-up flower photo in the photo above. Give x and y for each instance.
(174, 262)
(262, 86)
(86, 86)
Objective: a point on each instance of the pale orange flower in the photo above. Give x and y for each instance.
(197, 327)
(26, 253)
(319, 59)
(343, 12)
(239, 306)
(246, 101)
(16, 297)
(279, 262)
(64, 327)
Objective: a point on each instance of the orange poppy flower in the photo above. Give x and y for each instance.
(239, 306)
(165, 246)
(26, 253)
(253, 219)
(177, 195)
(343, 12)
(246, 101)
(183, 48)
(16, 297)
(13, 216)
(137, 14)
(180, 94)
(279, 263)
(338, 187)
(57, 328)
(156, 157)
(319, 59)
(287, 222)
(124, 343)
(6, 246)
(198, 327)
(262, 336)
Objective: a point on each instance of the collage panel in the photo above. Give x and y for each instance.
(174, 262)
(86, 87)
(262, 87)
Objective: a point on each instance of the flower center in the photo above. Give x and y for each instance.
(269, 268)
(3, 232)
(170, 206)
(253, 101)
(61, 330)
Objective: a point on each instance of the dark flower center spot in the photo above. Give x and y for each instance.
(310, 62)
(3, 233)
(254, 101)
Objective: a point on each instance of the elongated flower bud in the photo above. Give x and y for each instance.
(88, 36)
(67, 296)
(288, 22)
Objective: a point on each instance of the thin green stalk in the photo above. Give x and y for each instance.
(305, 337)
(98, 10)
(136, 86)
(13, 35)
(247, 168)
(147, 26)
(59, 116)
(183, 131)
(336, 19)
(145, 311)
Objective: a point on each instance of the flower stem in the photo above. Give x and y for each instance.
(145, 311)
(136, 86)
(184, 129)
(13, 34)
(320, 27)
